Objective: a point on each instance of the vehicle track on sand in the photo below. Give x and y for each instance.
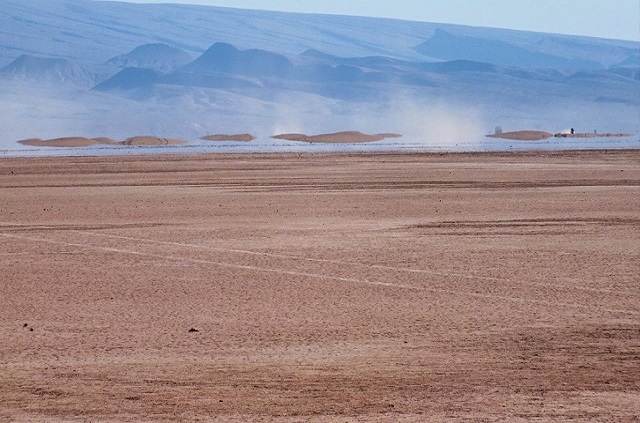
(321, 276)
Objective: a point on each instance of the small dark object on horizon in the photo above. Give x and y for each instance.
(193, 330)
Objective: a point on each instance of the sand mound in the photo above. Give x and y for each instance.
(337, 137)
(149, 140)
(227, 137)
(591, 135)
(65, 142)
(542, 135)
(523, 135)
(87, 142)
(104, 140)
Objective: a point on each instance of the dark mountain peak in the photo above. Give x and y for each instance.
(27, 63)
(221, 48)
(153, 49)
(464, 66)
(49, 70)
(226, 58)
(440, 33)
(129, 79)
(633, 61)
(160, 57)
(317, 54)
(218, 53)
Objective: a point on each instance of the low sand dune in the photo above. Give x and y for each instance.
(523, 135)
(71, 142)
(337, 137)
(229, 137)
(104, 140)
(592, 135)
(542, 135)
(65, 142)
(150, 140)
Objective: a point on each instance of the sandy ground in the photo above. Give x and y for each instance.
(346, 137)
(323, 288)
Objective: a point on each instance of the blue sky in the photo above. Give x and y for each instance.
(599, 18)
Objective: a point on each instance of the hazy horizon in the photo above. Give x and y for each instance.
(614, 19)
(440, 86)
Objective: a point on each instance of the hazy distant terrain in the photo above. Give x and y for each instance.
(107, 69)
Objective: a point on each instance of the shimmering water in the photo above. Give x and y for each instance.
(396, 145)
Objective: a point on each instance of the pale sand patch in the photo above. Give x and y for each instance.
(337, 137)
(229, 137)
(523, 135)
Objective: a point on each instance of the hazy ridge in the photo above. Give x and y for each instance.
(89, 68)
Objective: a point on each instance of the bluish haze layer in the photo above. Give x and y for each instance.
(618, 19)
(114, 69)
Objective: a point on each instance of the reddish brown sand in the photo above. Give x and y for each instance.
(323, 288)
(337, 138)
(228, 137)
(523, 135)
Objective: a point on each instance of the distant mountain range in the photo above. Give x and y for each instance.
(208, 66)
(446, 46)
(225, 66)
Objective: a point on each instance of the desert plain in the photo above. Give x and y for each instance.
(498, 287)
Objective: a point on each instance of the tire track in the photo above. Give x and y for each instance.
(586, 308)
(354, 263)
